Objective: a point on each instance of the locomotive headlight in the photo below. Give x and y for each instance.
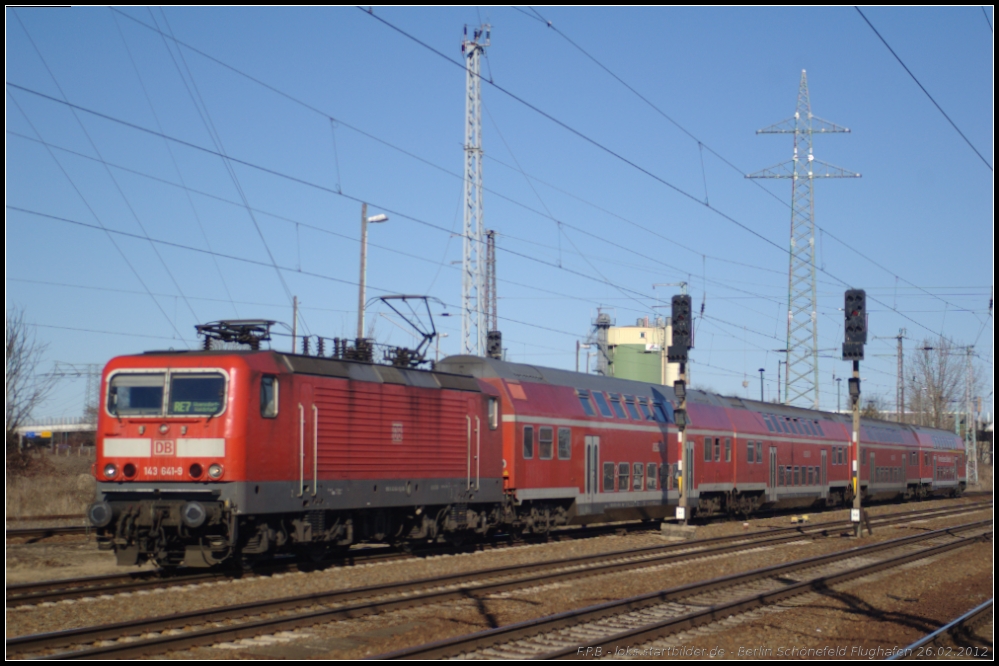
(99, 514)
(215, 471)
(110, 471)
(193, 514)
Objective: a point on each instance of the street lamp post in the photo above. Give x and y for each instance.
(582, 345)
(761, 384)
(779, 364)
(365, 220)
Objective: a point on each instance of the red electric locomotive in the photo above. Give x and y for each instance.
(206, 456)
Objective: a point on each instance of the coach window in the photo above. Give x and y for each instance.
(528, 442)
(493, 413)
(663, 411)
(608, 477)
(766, 420)
(797, 475)
(545, 438)
(707, 449)
(629, 403)
(717, 449)
(623, 476)
(616, 404)
(926, 458)
(564, 444)
(780, 475)
(584, 400)
(644, 407)
(602, 403)
(759, 452)
(268, 396)
(728, 449)
(818, 428)
(650, 477)
(785, 427)
(639, 476)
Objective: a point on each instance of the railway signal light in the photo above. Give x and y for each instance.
(677, 352)
(855, 324)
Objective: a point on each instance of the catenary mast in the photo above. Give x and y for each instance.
(473, 287)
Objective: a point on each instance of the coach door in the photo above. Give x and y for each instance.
(308, 436)
(772, 485)
(687, 476)
(592, 471)
(823, 478)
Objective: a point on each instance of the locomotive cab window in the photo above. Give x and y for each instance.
(268, 396)
(136, 394)
(202, 394)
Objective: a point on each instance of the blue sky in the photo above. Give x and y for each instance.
(345, 109)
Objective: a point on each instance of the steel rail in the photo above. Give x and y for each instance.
(973, 616)
(492, 637)
(469, 584)
(76, 588)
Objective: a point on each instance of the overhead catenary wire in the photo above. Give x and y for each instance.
(923, 88)
(387, 209)
(370, 12)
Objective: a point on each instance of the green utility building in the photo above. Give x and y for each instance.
(639, 352)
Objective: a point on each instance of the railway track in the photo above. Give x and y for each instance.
(26, 594)
(201, 628)
(45, 532)
(628, 627)
(956, 639)
(77, 588)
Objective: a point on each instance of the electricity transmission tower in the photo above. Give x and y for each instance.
(802, 381)
(90, 371)
(473, 287)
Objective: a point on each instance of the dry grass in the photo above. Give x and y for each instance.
(65, 487)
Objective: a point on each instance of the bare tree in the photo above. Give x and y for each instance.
(936, 381)
(876, 407)
(25, 388)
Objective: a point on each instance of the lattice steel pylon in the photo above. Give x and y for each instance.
(802, 381)
(473, 287)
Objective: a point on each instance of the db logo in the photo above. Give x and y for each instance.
(164, 447)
